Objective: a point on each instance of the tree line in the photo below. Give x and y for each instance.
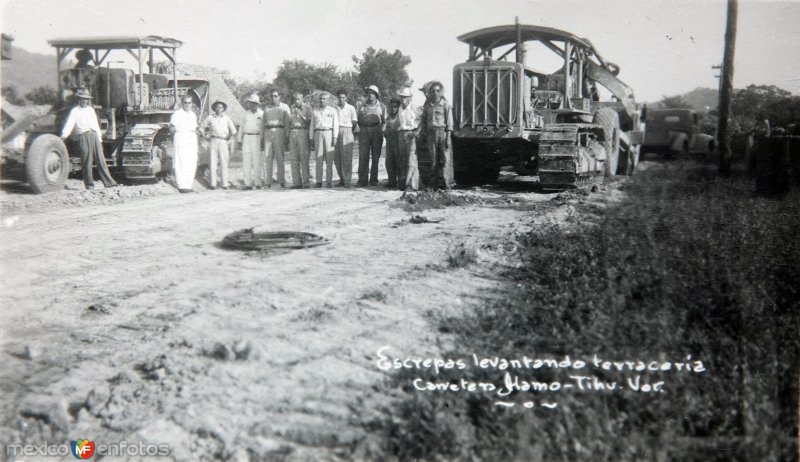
(379, 67)
(39, 96)
(387, 70)
(749, 106)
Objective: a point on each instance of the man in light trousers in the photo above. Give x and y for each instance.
(323, 131)
(219, 131)
(276, 136)
(343, 154)
(407, 130)
(183, 125)
(250, 136)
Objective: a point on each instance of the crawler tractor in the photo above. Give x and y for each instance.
(133, 106)
(516, 123)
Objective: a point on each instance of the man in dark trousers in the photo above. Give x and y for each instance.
(437, 121)
(82, 126)
(371, 120)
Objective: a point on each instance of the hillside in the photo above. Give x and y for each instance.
(27, 71)
(702, 98)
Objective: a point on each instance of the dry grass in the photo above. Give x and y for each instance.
(687, 264)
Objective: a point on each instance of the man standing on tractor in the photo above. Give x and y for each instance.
(82, 126)
(219, 130)
(183, 125)
(437, 121)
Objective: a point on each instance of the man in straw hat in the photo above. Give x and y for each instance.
(250, 137)
(219, 130)
(437, 122)
(371, 120)
(82, 127)
(183, 125)
(276, 136)
(407, 130)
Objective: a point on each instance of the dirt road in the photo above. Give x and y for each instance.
(128, 322)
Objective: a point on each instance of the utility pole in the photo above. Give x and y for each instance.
(726, 90)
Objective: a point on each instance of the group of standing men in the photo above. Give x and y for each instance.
(330, 133)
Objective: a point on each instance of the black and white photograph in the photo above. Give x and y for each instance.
(373, 230)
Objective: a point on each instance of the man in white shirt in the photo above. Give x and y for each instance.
(219, 130)
(407, 130)
(82, 126)
(323, 131)
(276, 136)
(251, 136)
(343, 153)
(183, 125)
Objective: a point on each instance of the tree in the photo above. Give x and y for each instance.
(43, 96)
(384, 69)
(299, 76)
(10, 94)
(759, 102)
(242, 88)
(674, 102)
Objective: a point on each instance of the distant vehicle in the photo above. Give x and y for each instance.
(134, 108)
(674, 131)
(547, 128)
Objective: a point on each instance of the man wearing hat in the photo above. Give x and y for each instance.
(82, 126)
(84, 58)
(250, 137)
(183, 125)
(407, 130)
(371, 120)
(437, 122)
(219, 131)
(276, 136)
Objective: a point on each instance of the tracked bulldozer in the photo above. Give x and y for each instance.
(516, 123)
(133, 106)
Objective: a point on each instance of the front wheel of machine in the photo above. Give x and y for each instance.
(47, 164)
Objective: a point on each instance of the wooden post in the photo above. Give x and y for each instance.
(726, 91)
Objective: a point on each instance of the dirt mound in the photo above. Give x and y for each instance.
(423, 200)
(74, 194)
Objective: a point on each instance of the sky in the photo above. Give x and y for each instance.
(664, 48)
